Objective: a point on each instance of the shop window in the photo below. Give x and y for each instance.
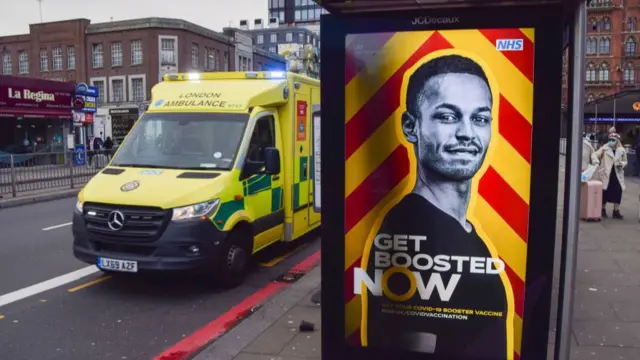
(71, 57)
(56, 58)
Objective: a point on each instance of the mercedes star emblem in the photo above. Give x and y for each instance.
(115, 220)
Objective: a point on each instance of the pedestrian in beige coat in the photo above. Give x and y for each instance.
(587, 151)
(611, 160)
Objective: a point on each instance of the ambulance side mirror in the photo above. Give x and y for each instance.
(271, 161)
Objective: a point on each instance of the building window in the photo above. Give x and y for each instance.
(628, 74)
(591, 73)
(116, 53)
(297, 15)
(602, 95)
(44, 60)
(71, 57)
(591, 97)
(301, 38)
(603, 74)
(56, 58)
(210, 59)
(260, 39)
(117, 90)
(318, 12)
(592, 46)
(631, 24)
(288, 37)
(273, 38)
(99, 84)
(280, 4)
(281, 17)
(137, 88)
(168, 51)
(6, 63)
(272, 49)
(630, 47)
(195, 55)
(298, 3)
(605, 45)
(23, 62)
(226, 61)
(606, 24)
(97, 52)
(137, 55)
(594, 24)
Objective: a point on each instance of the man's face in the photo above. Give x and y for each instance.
(453, 130)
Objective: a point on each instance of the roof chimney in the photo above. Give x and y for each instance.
(244, 25)
(274, 22)
(257, 24)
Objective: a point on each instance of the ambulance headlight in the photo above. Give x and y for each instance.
(204, 209)
(79, 206)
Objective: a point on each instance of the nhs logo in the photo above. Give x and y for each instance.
(509, 44)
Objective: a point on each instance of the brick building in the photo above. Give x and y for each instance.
(123, 59)
(612, 47)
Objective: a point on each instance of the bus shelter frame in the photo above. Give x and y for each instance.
(574, 37)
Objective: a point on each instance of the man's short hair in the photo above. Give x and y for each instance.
(448, 64)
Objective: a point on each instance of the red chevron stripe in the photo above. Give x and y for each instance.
(354, 339)
(348, 282)
(515, 128)
(387, 99)
(518, 289)
(523, 60)
(365, 43)
(376, 186)
(516, 356)
(505, 201)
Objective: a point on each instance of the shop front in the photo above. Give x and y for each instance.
(33, 114)
(85, 107)
(122, 120)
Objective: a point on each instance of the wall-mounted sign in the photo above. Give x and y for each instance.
(86, 98)
(124, 111)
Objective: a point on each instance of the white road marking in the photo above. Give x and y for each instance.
(56, 226)
(47, 285)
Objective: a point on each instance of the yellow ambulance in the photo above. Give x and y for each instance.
(219, 167)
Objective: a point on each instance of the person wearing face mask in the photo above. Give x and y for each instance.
(611, 160)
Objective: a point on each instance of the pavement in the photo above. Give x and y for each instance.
(606, 308)
(53, 307)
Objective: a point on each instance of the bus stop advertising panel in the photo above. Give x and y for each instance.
(440, 186)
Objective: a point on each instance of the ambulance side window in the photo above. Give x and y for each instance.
(263, 137)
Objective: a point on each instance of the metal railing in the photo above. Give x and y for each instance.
(33, 172)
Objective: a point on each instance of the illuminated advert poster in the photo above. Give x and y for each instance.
(438, 151)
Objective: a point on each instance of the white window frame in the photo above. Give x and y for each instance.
(195, 55)
(260, 39)
(105, 94)
(117, 55)
(60, 57)
(26, 53)
(71, 55)
(273, 38)
(93, 56)
(7, 66)
(44, 60)
(124, 87)
(144, 86)
(288, 37)
(133, 51)
(177, 49)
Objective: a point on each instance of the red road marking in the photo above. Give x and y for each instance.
(220, 326)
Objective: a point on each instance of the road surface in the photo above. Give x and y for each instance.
(53, 307)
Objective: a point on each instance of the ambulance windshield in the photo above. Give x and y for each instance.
(195, 141)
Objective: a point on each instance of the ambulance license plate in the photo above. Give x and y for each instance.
(118, 265)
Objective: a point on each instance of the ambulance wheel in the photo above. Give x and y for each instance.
(235, 259)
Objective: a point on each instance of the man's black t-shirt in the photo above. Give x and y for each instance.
(477, 337)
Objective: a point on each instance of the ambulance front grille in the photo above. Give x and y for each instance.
(140, 223)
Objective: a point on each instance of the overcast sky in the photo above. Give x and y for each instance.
(16, 16)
